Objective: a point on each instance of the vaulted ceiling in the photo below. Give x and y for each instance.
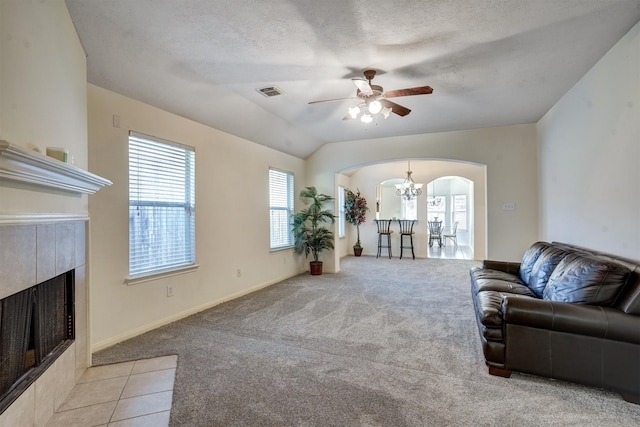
(489, 62)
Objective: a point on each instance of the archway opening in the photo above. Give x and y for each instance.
(368, 179)
(450, 217)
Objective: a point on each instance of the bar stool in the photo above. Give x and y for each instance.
(384, 229)
(406, 230)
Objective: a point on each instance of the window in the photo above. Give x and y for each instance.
(161, 205)
(280, 208)
(409, 208)
(341, 213)
(459, 202)
(437, 208)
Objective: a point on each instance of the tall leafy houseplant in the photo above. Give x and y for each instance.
(355, 210)
(309, 234)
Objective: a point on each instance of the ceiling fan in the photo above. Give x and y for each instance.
(374, 100)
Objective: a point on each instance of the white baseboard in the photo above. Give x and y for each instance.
(154, 325)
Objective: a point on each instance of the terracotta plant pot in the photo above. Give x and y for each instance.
(315, 267)
(357, 251)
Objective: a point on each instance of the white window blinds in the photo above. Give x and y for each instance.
(280, 208)
(161, 205)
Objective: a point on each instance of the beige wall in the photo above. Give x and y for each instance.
(43, 96)
(509, 154)
(589, 145)
(232, 220)
(43, 102)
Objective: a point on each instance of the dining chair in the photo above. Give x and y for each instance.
(451, 235)
(435, 232)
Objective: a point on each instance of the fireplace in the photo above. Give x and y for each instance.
(36, 326)
(43, 222)
(42, 276)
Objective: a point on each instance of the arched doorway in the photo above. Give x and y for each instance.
(368, 178)
(450, 202)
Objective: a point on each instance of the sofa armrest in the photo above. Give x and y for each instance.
(506, 266)
(532, 312)
(589, 320)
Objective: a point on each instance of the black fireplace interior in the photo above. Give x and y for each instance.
(36, 326)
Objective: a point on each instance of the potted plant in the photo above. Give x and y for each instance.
(309, 236)
(355, 209)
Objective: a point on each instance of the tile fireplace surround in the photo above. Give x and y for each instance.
(31, 253)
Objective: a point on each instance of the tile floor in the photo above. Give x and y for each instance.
(129, 394)
(450, 251)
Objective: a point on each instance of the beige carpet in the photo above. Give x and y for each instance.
(386, 342)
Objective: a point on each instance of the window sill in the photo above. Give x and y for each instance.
(134, 280)
(284, 248)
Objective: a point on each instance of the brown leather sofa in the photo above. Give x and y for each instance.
(564, 312)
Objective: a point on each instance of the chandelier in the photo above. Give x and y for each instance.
(369, 108)
(408, 189)
(433, 201)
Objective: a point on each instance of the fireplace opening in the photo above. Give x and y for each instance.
(36, 326)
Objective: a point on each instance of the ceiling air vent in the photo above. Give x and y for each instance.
(271, 91)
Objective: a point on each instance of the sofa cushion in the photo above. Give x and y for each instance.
(495, 280)
(489, 274)
(586, 279)
(547, 261)
(529, 259)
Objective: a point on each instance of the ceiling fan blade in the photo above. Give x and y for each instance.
(422, 90)
(332, 100)
(364, 86)
(396, 108)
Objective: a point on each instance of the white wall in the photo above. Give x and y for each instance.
(43, 96)
(508, 152)
(589, 151)
(232, 220)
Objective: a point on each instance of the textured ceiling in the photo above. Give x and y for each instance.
(490, 62)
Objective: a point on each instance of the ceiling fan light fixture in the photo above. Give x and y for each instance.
(354, 111)
(375, 106)
(374, 100)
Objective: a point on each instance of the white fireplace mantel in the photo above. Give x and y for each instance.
(18, 164)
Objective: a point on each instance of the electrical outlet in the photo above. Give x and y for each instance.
(169, 291)
(239, 273)
(509, 206)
